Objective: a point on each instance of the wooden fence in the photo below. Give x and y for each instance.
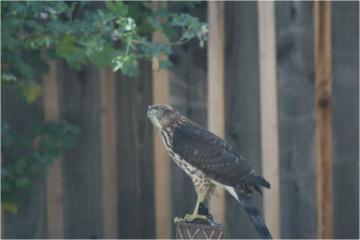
(118, 183)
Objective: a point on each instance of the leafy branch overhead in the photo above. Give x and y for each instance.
(110, 33)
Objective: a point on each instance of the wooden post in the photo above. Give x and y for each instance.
(54, 193)
(216, 122)
(162, 167)
(269, 115)
(108, 153)
(186, 230)
(323, 75)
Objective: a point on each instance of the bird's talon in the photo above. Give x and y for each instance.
(178, 219)
(192, 218)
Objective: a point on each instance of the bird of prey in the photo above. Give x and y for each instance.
(209, 161)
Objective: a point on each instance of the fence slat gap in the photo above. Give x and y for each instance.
(162, 167)
(323, 79)
(216, 112)
(54, 191)
(269, 115)
(108, 152)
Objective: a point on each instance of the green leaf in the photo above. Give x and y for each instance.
(154, 23)
(103, 57)
(32, 92)
(165, 64)
(117, 7)
(8, 78)
(66, 46)
(29, 91)
(10, 207)
(73, 54)
(20, 166)
(23, 183)
(93, 45)
(181, 20)
(155, 49)
(127, 64)
(6, 137)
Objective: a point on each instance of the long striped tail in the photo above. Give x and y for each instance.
(247, 202)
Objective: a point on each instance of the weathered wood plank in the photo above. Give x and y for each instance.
(108, 152)
(242, 103)
(80, 97)
(295, 68)
(135, 165)
(216, 116)
(323, 79)
(54, 193)
(162, 170)
(345, 108)
(269, 115)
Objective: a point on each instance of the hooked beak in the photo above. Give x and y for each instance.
(149, 111)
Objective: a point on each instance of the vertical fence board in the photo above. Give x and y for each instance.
(54, 193)
(216, 121)
(323, 79)
(108, 152)
(269, 115)
(295, 68)
(345, 95)
(162, 173)
(82, 165)
(242, 103)
(135, 166)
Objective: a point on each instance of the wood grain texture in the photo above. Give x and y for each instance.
(108, 152)
(323, 80)
(80, 98)
(216, 121)
(345, 118)
(295, 70)
(54, 192)
(162, 167)
(135, 156)
(242, 103)
(269, 115)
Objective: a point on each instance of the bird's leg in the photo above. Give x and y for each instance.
(195, 215)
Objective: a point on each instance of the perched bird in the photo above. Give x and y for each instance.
(209, 161)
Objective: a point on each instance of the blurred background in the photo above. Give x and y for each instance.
(80, 159)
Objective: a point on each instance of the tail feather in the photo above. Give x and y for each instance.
(248, 203)
(258, 180)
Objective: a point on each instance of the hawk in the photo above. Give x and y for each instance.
(209, 161)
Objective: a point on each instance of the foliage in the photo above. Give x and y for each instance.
(110, 33)
(28, 155)
(115, 34)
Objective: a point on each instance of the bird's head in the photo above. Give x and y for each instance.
(163, 115)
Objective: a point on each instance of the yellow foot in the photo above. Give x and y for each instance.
(191, 218)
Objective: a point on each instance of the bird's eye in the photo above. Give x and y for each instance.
(161, 111)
